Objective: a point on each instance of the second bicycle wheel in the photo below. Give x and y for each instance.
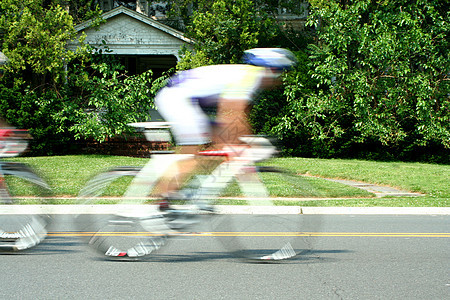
(265, 222)
(21, 229)
(127, 228)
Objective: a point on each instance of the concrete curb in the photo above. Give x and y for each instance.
(223, 209)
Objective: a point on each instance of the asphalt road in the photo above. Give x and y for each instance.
(355, 257)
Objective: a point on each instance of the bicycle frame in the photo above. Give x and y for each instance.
(239, 165)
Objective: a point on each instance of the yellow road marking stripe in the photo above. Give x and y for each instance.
(255, 234)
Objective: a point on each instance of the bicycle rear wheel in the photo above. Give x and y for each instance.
(19, 231)
(267, 224)
(130, 230)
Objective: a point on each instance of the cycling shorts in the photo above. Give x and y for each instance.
(190, 125)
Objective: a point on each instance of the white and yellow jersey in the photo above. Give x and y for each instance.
(190, 94)
(220, 81)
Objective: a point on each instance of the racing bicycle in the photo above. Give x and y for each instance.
(233, 196)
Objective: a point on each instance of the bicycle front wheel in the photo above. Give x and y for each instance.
(265, 221)
(130, 229)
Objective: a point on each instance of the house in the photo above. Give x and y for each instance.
(141, 42)
(134, 33)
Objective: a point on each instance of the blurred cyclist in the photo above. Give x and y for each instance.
(228, 89)
(12, 141)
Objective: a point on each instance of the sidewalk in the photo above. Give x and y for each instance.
(378, 190)
(65, 209)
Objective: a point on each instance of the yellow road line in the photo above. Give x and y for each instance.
(259, 234)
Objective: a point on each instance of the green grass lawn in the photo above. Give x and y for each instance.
(68, 174)
(430, 179)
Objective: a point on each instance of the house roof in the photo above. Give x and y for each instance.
(138, 16)
(129, 32)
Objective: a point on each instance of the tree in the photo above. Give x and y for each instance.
(81, 10)
(223, 30)
(34, 38)
(103, 99)
(77, 95)
(382, 69)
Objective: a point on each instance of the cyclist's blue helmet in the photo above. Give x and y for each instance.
(275, 58)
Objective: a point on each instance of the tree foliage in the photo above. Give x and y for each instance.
(104, 99)
(34, 37)
(57, 94)
(382, 72)
(222, 30)
(375, 75)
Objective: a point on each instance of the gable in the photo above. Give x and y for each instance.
(126, 32)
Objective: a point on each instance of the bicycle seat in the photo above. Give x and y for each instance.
(226, 153)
